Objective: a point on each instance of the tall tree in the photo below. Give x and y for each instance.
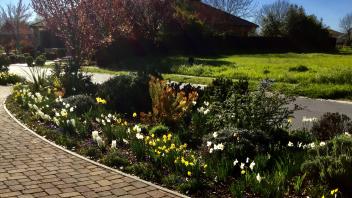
(271, 18)
(346, 26)
(83, 25)
(16, 15)
(240, 8)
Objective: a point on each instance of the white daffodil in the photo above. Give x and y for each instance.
(206, 112)
(113, 144)
(211, 150)
(100, 141)
(95, 134)
(242, 165)
(139, 136)
(251, 166)
(235, 162)
(322, 144)
(347, 134)
(247, 160)
(209, 144)
(259, 178)
(215, 134)
(125, 141)
(290, 144)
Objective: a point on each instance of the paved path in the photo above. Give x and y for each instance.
(312, 107)
(31, 167)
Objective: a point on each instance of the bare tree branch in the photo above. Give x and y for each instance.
(346, 26)
(240, 8)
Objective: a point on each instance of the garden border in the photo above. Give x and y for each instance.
(86, 159)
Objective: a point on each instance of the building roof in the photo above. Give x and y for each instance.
(215, 16)
(334, 33)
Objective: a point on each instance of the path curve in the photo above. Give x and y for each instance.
(33, 167)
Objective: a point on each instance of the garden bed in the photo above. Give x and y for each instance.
(219, 142)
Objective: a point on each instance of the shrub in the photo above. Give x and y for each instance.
(331, 164)
(29, 61)
(13, 58)
(300, 68)
(21, 59)
(145, 171)
(330, 125)
(83, 103)
(168, 105)
(113, 159)
(75, 84)
(159, 130)
(40, 60)
(6, 78)
(127, 94)
(4, 63)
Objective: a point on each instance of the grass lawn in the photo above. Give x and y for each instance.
(326, 75)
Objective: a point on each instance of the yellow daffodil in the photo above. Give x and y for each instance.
(243, 172)
(134, 115)
(100, 101)
(334, 191)
(189, 173)
(205, 166)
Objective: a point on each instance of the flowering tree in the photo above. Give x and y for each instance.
(83, 25)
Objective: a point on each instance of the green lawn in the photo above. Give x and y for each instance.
(328, 75)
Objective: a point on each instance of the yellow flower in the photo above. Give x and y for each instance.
(189, 173)
(153, 135)
(323, 196)
(134, 115)
(191, 164)
(100, 101)
(334, 191)
(169, 136)
(173, 146)
(186, 163)
(243, 172)
(205, 166)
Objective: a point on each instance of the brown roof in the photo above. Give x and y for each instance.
(214, 16)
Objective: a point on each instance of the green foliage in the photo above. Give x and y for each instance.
(21, 58)
(331, 164)
(159, 130)
(222, 88)
(4, 63)
(91, 150)
(300, 68)
(7, 78)
(113, 159)
(40, 60)
(83, 103)
(29, 61)
(127, 94)
(145, 171)
(331, 125)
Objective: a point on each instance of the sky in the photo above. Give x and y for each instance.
(331, 11)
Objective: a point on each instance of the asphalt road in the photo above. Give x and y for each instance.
(312, 108)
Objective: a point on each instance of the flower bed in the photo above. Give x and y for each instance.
(222, 141)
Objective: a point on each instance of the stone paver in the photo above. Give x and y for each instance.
(31, 167)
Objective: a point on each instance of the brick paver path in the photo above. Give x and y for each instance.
(31, 167)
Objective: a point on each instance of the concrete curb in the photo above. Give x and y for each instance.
(88, 160)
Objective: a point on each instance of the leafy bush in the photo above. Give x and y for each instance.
(40, 60)
(331, 163)
(29, 61)
(159, 130)
(83, 103)
(113, 159)
(21, 58)
(168, 105)
(330, 125)
(7, 78)
(127, 94)
(300, 68)
(79, 83)
(145, 171)
(4, 63)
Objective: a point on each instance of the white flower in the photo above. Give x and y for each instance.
(95, 134)
(100, 141)
(194, 103)
(113, 144)
(125, 141)
(72, 109)
(206, 103)
(312, 145)
(108, 120)
(63, 113)
(219, 147)
(242, 165)
(137, 128)
(299, 144)
(259, 178)
(201, 110)
(247, 160)
(215, 134)
(103, 122)
(347, 134)
(290, 144)
(139, 136)
(97, 119)
(209, 144)
(109, 115)
(67, 105)
(206, 112)
(56, 121)
(211, 150)
(128, 130)
(235, 162)
(251, 166)
(322, 144)
(73, 122)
